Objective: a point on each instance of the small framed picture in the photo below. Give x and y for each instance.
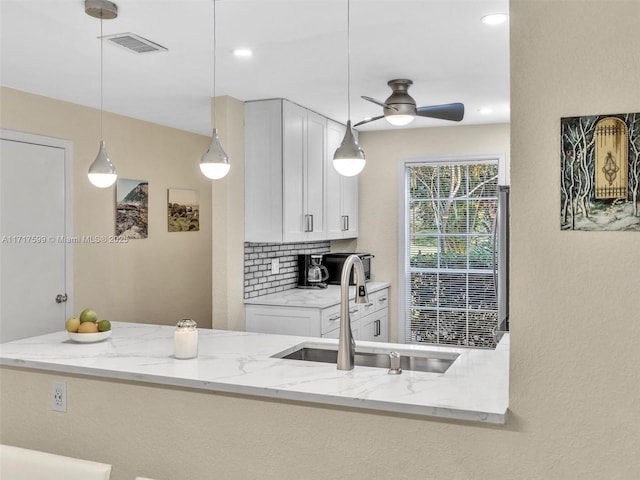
(183, 210)
(132, 202)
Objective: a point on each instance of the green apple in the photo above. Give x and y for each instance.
(88, 315)
(104, 325)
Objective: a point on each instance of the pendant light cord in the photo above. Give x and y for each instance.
(101, 77)
(348, 60)
(213, 113)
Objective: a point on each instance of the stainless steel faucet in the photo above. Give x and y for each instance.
(346, 344)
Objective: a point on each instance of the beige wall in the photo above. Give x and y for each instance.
(575, 302)
(378, 187)
(228, 220)
(159, 279)
(575, 395)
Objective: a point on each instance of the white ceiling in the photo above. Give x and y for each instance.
(51, 48)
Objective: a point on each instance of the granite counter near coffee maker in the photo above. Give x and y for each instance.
(323, 298)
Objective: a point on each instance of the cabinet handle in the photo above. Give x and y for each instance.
(378, 328)
(353, 310)
(345, 223)
(333, 319)
(308, 219)
(382, 299)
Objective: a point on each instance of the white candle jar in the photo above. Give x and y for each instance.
(185, 339)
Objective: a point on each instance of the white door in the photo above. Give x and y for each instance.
(34, 256)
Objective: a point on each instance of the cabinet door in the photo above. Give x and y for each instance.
(342, 192)
(355, 331)
(293, 170)
(263, 171)
(283, 320)
(314, 177)
(375, 327)
(335, 132)
(350, 207)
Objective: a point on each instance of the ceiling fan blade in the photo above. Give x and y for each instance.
(450, 111)
(367, 120)
(378, 102)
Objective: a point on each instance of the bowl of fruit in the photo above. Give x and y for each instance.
(86, 328)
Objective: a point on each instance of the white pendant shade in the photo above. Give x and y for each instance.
(215, 162)
(349, 159)
(102, 173)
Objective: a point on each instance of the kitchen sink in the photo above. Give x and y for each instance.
(428, 361)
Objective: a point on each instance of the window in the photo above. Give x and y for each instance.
(451, 254)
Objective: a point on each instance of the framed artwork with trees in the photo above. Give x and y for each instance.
(600, 173)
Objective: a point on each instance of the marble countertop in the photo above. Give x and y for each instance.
(474, 388)
(311, 298)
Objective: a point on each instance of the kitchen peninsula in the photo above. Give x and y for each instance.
(474, 388)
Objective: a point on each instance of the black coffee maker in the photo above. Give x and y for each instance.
(311, 273)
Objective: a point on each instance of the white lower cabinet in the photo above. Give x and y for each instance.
(375, 327)
(369, 322)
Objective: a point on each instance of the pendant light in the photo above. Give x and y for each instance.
(349, 158)
(215, 162)
(101, 173)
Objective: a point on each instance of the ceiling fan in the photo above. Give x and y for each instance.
(400, 108)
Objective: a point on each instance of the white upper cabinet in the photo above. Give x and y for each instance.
(263, 172)
(289, 193)
(342, 192)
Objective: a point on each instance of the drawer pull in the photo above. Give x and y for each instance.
(353, 310)
(382, 299)
(333, 319)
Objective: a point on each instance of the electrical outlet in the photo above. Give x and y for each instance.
(59, 397)
(275, 266)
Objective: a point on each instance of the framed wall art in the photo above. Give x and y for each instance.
(132, 202)
(600, 173)
(183, 210)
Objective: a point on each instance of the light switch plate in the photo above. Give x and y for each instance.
(275, 266)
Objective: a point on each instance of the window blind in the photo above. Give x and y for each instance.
(451, 253)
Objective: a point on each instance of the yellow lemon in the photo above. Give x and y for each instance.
(72, 324)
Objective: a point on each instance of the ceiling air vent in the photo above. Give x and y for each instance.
(134, 43)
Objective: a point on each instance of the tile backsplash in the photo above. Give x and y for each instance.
(258, 279)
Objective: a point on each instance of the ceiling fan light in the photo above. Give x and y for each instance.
(399, 120)
(215, 162)
(494, 19)
(102, 173)
(349, 158)
(243, 52)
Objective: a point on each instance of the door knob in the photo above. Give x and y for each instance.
(61, 298)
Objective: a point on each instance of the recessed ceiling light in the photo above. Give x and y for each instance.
(242, 52)
(485, 111)
(495, 19)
